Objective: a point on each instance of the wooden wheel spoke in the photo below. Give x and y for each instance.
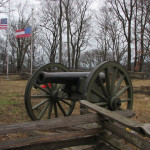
(66, 103)
(113, 80)
(62, 110)
(43, 111)
(50, 110)
(122, 91)
(64, 96)
(94, 91)
(106, 107)
(40, 96)
(40, 104)
(107, 80)
(118, 84)
(102, 87)
(61, 95)
(55, 110)
(36, 85)
(101, 104)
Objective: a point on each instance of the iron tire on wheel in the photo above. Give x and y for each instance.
(43, 103)
(113, 93)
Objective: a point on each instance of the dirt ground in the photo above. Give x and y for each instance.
(12, 109)
(141, 100)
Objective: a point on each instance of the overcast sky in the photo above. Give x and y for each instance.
(36, 3)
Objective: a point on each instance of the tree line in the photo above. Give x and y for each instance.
(73, 33)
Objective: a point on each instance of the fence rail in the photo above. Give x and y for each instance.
(94, 129)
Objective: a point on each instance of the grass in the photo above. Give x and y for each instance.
(141, 100)
(12, 100)
(12, 107)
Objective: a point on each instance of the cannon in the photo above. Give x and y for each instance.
(53, 91)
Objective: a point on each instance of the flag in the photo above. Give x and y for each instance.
(3, 23)
(23, 33)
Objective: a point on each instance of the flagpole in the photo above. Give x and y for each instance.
(8, 42)
(32, 42)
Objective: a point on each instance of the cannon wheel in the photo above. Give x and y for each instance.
(115, 92)
(47, 101)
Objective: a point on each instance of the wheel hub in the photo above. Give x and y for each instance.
(114, 103)
(55, 96)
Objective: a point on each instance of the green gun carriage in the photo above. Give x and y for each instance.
(52, 91)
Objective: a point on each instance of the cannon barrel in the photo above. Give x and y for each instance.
(63, 77)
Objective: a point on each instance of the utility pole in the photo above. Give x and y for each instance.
(32, 42)
(8, 42)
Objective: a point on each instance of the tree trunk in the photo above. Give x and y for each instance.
(68, 32)
(77, 58)
(68, 42)
(142, 38)
(60, 32)
(142, 50)
(129, 45)
(135, 36)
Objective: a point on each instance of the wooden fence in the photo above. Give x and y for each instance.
(103, 129)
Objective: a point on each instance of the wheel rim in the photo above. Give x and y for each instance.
(115, 92)
(47, 101)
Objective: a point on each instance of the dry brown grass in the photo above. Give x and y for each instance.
(12, 100)
(142, 100)
(12, 107)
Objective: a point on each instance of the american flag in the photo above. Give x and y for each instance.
(3, 23)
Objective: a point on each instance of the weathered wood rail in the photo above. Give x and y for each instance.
(89, 129)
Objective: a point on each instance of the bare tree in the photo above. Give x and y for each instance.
(142, 13)
(3, 54)
(77, 26)
(60, 31)
(20, 46)
(89, 59)
(109, 35)
(147, 41)
(86, 60)
(79, 30)
(67, 5)
(2, 3)
(135, 34)
(102, 31)
(123, 10)
(50, 23)
(145, 13)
